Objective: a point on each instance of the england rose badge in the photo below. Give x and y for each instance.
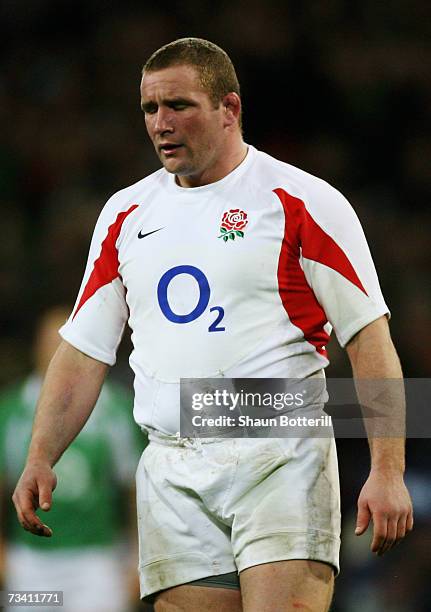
(233, 224)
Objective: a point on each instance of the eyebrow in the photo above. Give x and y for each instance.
(146, 106)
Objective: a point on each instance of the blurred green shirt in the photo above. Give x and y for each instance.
(95, 475)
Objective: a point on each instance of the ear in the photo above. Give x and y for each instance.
(232, 107)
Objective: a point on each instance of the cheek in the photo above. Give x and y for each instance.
(204, 135)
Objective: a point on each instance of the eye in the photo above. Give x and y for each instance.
(179, 106)
(149, 109)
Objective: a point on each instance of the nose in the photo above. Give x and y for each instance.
(164, 121)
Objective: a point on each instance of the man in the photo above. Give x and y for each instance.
(225, 263)
(85, 559)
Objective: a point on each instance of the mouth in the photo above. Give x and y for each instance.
(169, 148)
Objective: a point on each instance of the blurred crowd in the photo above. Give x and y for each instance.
(340, 89)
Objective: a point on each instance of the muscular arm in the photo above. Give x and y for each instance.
(69, 393)
(384, 497)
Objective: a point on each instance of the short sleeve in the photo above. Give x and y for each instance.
(337, 263)
(97, 322)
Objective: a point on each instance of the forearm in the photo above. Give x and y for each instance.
(70, 390)
(379, 384)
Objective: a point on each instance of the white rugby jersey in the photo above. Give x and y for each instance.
(245, 277)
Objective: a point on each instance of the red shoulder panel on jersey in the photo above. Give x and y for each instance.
(106, 266)
(302, 232)
(316, 244)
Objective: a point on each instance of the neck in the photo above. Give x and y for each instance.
(228, 160)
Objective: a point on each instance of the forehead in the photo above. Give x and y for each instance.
(171, 82)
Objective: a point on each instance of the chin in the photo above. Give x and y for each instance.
(168, 169)
(170, 165)
(174, 167)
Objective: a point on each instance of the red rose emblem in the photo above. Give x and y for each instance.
(232, 224)
(234, 219)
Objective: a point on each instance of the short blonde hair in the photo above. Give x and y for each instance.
(214, 67)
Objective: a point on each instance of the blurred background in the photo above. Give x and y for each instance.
(340, 89)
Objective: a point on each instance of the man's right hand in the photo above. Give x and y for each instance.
(33, 491)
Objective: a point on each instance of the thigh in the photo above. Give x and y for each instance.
(197, 599)
(287, 586)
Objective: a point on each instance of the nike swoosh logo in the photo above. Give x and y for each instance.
(141, 235)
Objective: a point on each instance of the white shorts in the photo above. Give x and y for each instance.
(210, 507)
(91, 580)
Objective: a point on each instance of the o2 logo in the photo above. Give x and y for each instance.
(204, 298)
